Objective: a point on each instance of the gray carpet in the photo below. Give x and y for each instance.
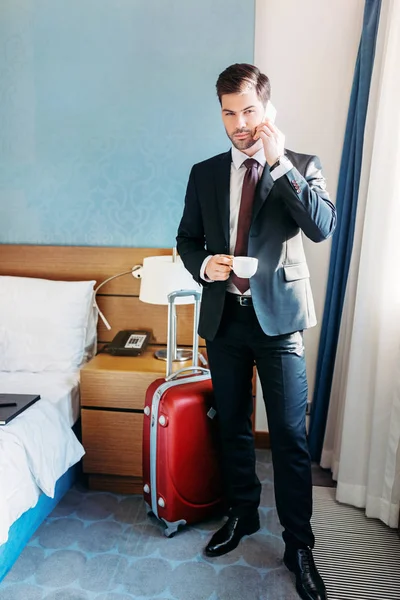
(101, 546)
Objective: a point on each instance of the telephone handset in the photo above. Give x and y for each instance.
(128, 343)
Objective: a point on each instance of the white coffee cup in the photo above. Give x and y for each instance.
(245, 266)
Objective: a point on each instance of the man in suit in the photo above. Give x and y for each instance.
(257, 200)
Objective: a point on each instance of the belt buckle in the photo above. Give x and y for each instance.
(242, 300)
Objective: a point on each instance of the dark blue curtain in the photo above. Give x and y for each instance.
(342, 242)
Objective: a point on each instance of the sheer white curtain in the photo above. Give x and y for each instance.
(362, 440)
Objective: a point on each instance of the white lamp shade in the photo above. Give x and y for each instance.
(161, 276)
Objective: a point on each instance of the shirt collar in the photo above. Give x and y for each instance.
(239, 157)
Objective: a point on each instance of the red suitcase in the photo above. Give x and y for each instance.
(181, 477)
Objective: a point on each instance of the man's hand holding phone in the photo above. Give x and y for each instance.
(273, 141)
(219, 267)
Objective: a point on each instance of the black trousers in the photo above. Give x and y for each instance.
(239, 343)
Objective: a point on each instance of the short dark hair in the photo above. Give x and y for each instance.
(241, 77)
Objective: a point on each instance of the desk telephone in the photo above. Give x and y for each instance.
(129, 343)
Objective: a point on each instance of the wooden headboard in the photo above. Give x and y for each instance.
(118, 299)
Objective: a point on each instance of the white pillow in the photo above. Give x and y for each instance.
(45, 325)
(91, 330)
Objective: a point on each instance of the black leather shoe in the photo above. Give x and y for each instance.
(230, 534)
(309, 582)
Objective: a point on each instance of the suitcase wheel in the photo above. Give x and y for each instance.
(168, 532)
(172, 528)
(149, 511)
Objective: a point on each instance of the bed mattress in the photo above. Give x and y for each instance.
(38, 446)
(61, 389)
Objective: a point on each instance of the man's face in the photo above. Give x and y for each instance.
(241, 113)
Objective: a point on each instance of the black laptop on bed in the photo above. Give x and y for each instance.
(12, 405)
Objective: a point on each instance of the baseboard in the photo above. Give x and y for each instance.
(261, 439)
(115, 484)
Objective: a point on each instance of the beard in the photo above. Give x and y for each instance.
(245, 143)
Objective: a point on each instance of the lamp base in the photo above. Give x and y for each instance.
(182, 355)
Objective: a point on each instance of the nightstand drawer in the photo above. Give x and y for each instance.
(115, 390)
(113, 442)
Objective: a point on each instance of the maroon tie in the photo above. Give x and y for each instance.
(244, 221)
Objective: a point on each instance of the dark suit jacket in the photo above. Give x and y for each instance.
(296, 202)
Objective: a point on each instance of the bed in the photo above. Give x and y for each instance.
(47, 332)
(24, 452)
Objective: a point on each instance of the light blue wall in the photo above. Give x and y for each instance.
(104, 107)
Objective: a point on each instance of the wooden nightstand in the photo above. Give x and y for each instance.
(112, 398)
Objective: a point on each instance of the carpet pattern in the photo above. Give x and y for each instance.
(102, 546)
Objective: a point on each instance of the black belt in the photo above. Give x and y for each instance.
(242, 300)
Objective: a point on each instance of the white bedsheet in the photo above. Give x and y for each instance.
(38, 446)
(18, 490)
(61, 389)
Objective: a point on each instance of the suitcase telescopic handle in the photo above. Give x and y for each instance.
(171, 337)
(184, 294)
(185, 370)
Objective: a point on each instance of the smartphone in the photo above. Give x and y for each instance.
(270, 112)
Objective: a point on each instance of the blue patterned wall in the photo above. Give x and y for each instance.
(104, 107)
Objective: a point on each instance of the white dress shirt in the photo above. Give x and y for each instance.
(238, 171)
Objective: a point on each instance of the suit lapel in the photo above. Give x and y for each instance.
(263, 189)
(223, 183)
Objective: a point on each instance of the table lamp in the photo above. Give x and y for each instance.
(161, 275)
